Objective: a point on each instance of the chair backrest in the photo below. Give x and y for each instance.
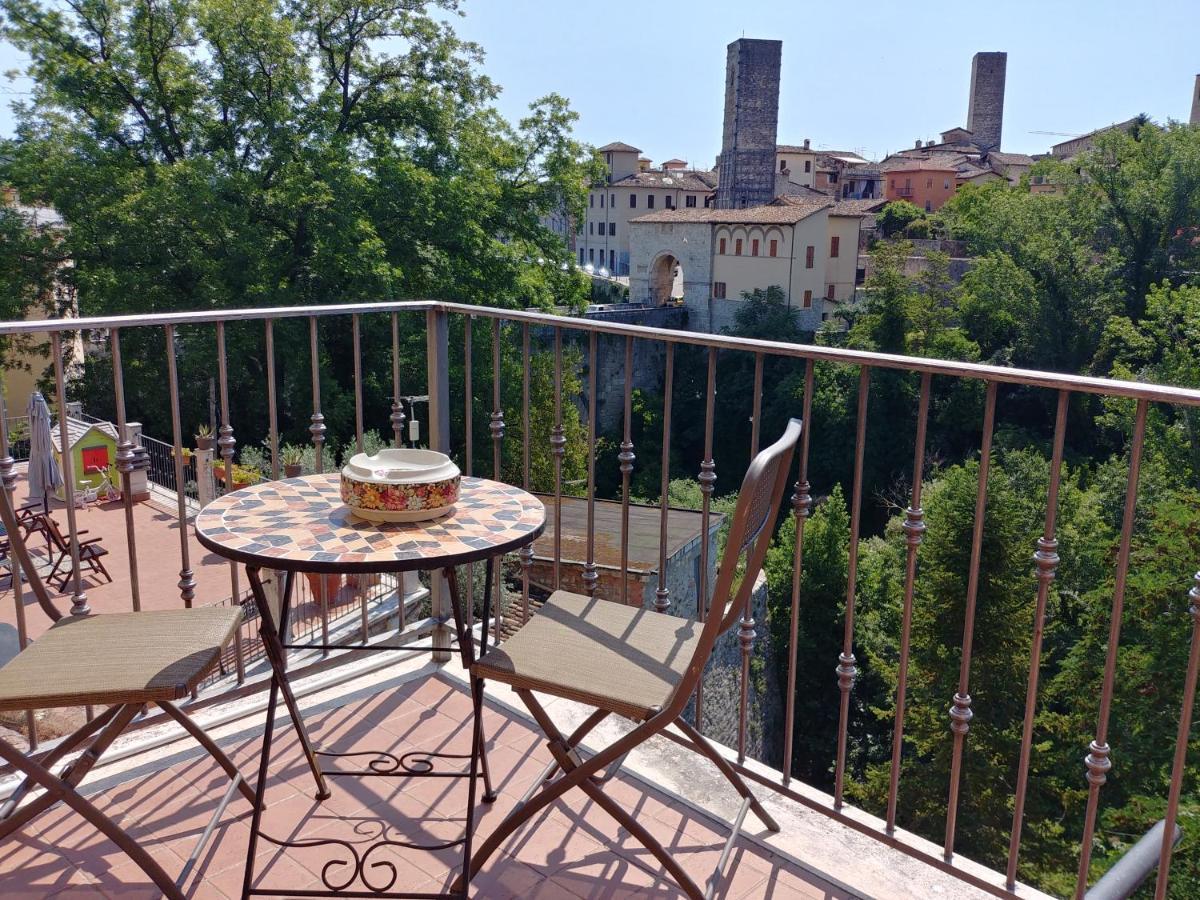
(17, 547)
(749, 537)
(49, 527)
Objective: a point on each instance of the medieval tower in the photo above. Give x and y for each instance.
(985, 112)
(746, 169)
(1195, 117)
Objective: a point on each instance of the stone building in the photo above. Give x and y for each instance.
(985, 110)
(631, 188)
(746, 167)
(1194, 119)
(808, 247)
(973, 152)
(767, 228)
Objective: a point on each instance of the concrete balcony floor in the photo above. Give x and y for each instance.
(163, 791)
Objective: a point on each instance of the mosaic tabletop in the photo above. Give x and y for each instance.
(302, 524)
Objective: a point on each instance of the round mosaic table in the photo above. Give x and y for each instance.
(301, 525)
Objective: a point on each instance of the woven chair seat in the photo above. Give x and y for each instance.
(113, 658)
(621, 658)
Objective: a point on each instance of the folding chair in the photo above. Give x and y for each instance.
(119, 660)
(90, 552)
(639, 664)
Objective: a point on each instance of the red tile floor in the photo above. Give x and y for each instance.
(574, 850)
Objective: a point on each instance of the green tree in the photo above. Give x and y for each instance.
(896, 215)
(208, 154)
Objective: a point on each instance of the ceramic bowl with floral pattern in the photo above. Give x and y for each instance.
(400, 485)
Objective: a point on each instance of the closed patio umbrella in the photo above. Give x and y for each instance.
(44, 473)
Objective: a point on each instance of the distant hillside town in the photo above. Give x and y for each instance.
(790, 216)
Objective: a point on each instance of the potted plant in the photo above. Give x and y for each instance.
(333, 584)
(204, 437)
(292, 458)
(243, 476)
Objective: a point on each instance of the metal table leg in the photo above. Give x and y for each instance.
(421, 766)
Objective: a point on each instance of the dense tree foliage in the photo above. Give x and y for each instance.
(207, 154)
(1099, 279)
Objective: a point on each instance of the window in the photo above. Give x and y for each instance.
(829, 292)
(591, 200)
(928, 206)
(612, 261)
(602, 201)
(833, 177)
(612, 229)
(928, 182)
(722, 247)
(591, 227)
(774, 247)
(754, 247)
(809, 253)
(581, 256)
(667, 202)
(808, 165)
(690, 201)
(94, 457)
(946, 184)
(719, 290)
(632, 200)
(834, 245)
(591, 254)
(808, 299)
(893, 182)
(649, 201)
(783, 165)
(737, 247)
(612, 200)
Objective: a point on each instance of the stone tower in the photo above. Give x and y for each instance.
(746, 171)
(985, 113)
(1195, 118)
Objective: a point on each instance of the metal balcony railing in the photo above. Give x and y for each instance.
(509, 332)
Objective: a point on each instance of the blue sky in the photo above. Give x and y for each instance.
(872, 75)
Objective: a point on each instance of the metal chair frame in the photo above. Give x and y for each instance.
(92, 740)
(749, 534)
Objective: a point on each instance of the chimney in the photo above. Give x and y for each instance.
(918, 144)
(747, 170)
(1195, 119)
(806, 139)
(985, 111)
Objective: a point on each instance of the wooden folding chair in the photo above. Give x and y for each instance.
(639, 664)
(90, 552)
(119, 660)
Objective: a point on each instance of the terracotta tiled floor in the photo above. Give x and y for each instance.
(157, 540)
(574, 850)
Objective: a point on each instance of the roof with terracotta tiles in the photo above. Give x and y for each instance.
(619, 147)
(674, 179)
(781, 211)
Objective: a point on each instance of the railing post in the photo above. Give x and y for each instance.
(206, 483)
(8, 482)
(437, 363)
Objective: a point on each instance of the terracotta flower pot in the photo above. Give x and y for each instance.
(333, 584)
(204, 443)
(292, 471)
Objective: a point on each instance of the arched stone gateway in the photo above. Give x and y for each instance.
(666, 280)
(657, 251)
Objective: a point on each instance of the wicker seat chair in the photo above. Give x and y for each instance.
(119, 660)
(639, 664)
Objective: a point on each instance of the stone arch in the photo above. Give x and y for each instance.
(666, 279)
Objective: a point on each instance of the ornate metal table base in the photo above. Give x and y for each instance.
(359, 873)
